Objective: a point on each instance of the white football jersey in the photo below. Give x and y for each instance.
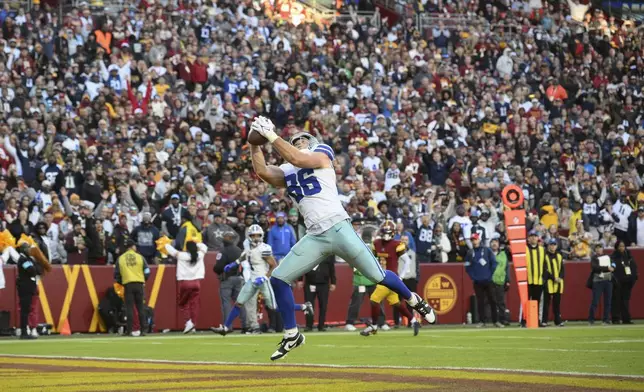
(255, 257)
(315, 193)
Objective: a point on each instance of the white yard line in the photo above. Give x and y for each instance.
(224, 342)
(317, 365)
(616, 341)
(491, 333)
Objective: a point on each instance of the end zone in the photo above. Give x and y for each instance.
(116, 374)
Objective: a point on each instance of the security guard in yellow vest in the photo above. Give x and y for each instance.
(554, 283)
(535, 259)
(131, 270)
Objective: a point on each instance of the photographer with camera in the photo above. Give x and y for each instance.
(440, 245)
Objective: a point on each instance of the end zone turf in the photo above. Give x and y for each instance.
(40, 374)
(440, 358)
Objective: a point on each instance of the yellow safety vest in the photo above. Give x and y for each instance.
(534, 259)
(131, 265)
(554, 264)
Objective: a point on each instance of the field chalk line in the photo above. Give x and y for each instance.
(331, 366)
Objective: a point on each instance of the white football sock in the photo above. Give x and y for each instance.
(413, 300)
(290, 332)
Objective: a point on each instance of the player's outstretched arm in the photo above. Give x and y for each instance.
(269, 173)
(300, 158)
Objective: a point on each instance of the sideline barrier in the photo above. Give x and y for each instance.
(72, 293)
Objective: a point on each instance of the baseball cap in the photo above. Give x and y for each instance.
(532, 232)
(280, 215)
(293, 212)
(275, 200)
(175, 196)
(552, 241)
(252, 203)
(475, 236)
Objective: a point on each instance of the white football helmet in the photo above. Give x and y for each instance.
(313, 142)
(255, 230)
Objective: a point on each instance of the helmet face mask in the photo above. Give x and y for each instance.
(256, 239)
(255, 235)
(387, 230)
(296, 141)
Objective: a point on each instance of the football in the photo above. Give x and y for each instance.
(256, 139)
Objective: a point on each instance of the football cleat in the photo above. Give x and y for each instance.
(350, 327)
(416, 326)
(424, 309)
(222, 330)
(287, 344)
(308, 309)
(190, 327)
(370, 330)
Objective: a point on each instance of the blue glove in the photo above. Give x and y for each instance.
(231, 267)
(259, 281)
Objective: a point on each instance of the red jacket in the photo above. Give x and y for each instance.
(199, 72)
(143, 105)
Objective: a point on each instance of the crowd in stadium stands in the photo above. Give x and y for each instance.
(118, 125)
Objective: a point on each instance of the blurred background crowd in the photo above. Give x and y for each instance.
(121, 119)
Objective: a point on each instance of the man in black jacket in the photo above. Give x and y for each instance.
(28, 270)
(119, 236)
(318, 283)
(231, 282)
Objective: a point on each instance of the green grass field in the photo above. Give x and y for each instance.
(575, 352)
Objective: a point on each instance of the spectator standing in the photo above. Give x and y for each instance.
(554, 287)
(621, 213)
(441, 246)
(190, 272)
(318, 283)
(281, 237)
(231, 282)
(119, 236)
(424, 239)
(215, 232)
(535, 259)
(480, 265)
(172, 215)
(626, 275)
(294, 221)
(636, 227)
(131, 271)
(76, 242)
(501, 279)
(145, 237)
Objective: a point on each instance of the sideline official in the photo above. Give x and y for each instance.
(131, 271)
(554, 283)
(535, 261)
(231, 282)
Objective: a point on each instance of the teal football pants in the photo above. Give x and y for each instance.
(340, 240)
(249, 289)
